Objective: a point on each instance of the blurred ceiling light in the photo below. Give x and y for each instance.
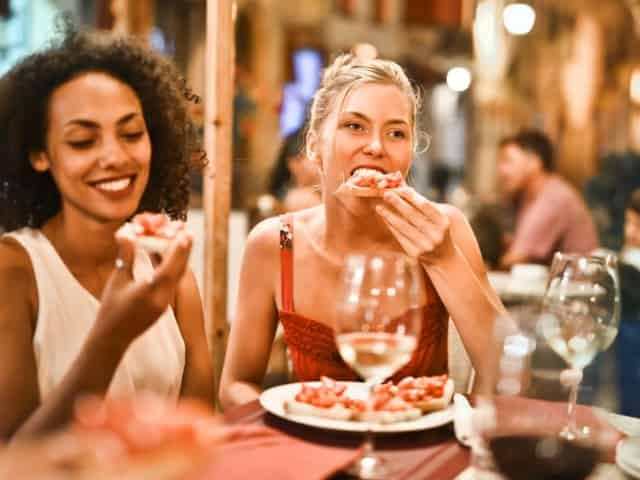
(634, 86)
(518, 18)
(459, 79)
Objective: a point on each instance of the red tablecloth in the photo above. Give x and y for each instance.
(432, 454)
(427, 454)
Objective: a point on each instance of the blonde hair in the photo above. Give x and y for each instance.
(348, 72)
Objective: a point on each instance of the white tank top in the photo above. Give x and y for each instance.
(154, 361)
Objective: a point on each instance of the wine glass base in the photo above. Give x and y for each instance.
(371, 467)
(575, 434)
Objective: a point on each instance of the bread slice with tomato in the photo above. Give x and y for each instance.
(152, 232)
(368, 182)
(427, 393)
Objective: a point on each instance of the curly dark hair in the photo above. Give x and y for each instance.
(30, 198)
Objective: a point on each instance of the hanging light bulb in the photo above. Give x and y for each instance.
(518, 18)
(459, 79)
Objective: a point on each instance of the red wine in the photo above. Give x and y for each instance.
(529, 457)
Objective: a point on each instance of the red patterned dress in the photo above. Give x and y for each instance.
(311, 344)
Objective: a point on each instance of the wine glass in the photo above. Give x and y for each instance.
(519, 407)
(377, 323)
(581, 315)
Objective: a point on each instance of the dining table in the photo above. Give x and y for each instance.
(427, 454)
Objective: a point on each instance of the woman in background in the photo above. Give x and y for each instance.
(295, 180)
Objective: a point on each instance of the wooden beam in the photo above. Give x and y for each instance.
(219, 64)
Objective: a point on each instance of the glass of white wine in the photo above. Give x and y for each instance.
(377, 325)
(581, 312)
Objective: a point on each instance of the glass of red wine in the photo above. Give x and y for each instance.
(377, 325)
(522, 405)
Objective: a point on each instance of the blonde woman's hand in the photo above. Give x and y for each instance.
(420, 226)
(130, 306)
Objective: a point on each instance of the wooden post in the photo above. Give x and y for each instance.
(219, 66)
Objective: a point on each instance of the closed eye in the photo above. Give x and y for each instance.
(133, 135)
(81, 144)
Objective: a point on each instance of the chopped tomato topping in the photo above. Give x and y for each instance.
(377, 180)
(156, 224)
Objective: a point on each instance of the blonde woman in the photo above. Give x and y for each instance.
(364, 115)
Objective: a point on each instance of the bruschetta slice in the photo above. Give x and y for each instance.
(152, 231)
(368, 182)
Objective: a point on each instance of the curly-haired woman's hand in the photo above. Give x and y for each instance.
(130, 306)
(420, 226)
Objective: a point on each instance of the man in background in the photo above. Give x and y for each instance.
(550, 213)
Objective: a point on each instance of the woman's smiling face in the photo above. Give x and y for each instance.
(98, 149)
(371, 129)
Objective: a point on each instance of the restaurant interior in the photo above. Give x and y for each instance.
(494, 77)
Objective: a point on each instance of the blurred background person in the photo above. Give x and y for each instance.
(294, 180)
(628, 343)
(550, 213)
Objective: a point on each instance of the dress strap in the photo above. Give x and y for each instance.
(286, 261)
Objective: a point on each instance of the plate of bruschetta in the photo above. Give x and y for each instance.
(410, 405)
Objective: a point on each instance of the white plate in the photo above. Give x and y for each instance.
(628, 456)
(273, 399)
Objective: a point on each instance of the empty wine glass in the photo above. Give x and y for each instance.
(378, 320)
(581, 315)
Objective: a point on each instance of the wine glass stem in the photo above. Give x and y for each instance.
(573, 399)
(367, 450)
(368, 446)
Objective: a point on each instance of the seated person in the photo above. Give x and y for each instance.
(363, 116)
(550, 214)
(294, 180)
(628, 343)
(95, 130)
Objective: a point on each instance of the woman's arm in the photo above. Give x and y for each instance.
(254, 326)
(19, 394)
(123, 300)
(197, 379)
(461, 281)
(442, 240)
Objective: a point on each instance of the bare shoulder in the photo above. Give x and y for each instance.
(264, 238)
(454, 214)
(460, 226)
(17, 280)
(15, 263)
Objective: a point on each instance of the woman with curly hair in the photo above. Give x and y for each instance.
(95, 130)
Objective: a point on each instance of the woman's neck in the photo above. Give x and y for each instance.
(82, 242)
(355, 227)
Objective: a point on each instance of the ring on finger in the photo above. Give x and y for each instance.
(121, 264)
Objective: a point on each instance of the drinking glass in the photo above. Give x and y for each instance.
(581, 314)
(519, 404)
(377, 324)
